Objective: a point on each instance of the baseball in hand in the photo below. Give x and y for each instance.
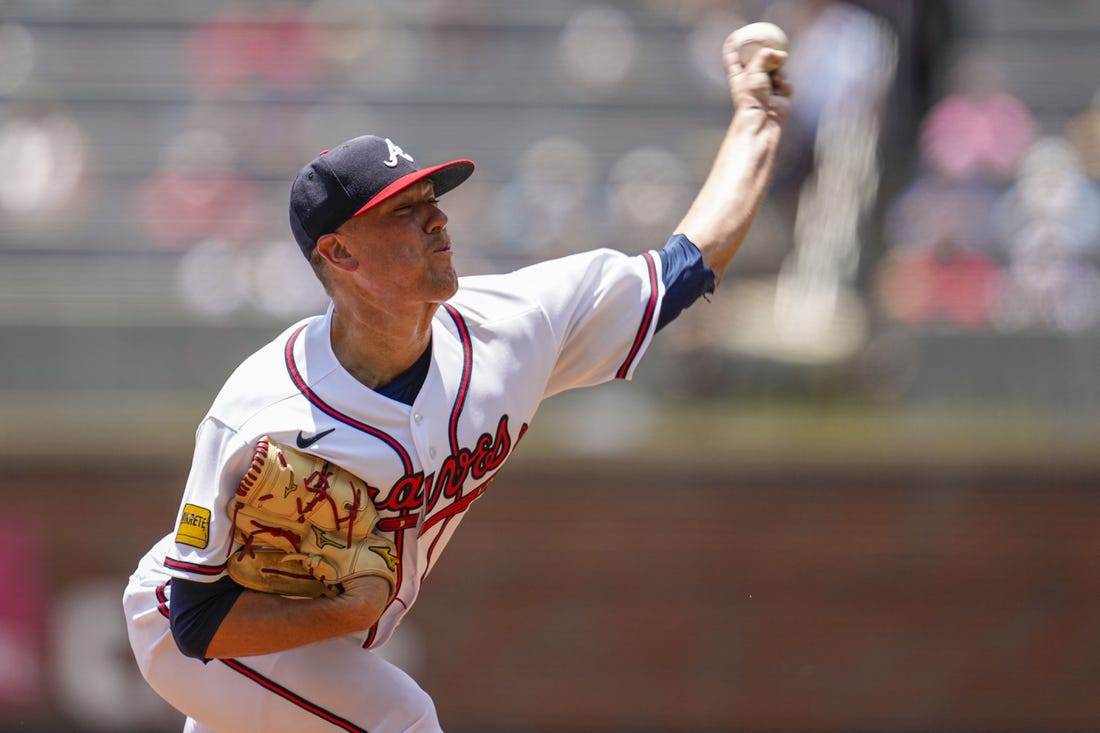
(751, 38)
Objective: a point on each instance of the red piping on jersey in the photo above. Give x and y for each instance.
(162, 599)
(647, 318)
(332, 412)
(190, 567)
(431, 548)
(467, 368)
(291, 697)
(398, 580)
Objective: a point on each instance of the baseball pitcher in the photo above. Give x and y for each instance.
(337, 462)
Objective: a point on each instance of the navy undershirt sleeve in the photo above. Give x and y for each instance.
(197, 610)
(686, 277)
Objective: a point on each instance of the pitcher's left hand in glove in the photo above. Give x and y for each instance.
(306, 526)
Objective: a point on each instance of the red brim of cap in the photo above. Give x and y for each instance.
(444, 177)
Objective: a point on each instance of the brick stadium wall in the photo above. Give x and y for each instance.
(615, 597)
(629, 598)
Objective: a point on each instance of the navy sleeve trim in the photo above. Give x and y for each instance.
(685, 275)
(190, 567)
(197, 610)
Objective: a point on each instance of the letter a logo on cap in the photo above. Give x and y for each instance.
(394, 152)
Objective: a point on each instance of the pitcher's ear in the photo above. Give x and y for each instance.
(332, 248)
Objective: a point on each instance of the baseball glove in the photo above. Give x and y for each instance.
(306, 526)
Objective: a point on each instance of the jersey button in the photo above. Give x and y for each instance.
(431, 452)
(418, 418)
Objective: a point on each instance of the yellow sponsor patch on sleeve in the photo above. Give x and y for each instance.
(194, 526)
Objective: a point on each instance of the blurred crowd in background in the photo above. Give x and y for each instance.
(1000, 226)
(148, 149)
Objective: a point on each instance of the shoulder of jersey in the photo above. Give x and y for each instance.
(486, 298)
(547, 283)
(260, 380)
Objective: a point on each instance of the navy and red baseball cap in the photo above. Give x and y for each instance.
(352, 178)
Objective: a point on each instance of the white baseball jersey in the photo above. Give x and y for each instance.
(499, 347)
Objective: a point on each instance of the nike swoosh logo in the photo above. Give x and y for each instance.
(304, 442)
